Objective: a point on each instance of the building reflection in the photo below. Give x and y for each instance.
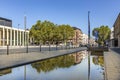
(4, 72)
(65, 61)
(79, 56)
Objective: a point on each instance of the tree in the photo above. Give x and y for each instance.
(35, 32)
(103, 34)
(66, 32)
(42, 31)
(49, 32)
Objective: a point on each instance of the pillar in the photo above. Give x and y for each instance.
(20, 38)
(11, 37)
(0, 38)
(3, 36)
(14, 37)
(7, 37)
(17, 38)
(23, 39)
(28, 38)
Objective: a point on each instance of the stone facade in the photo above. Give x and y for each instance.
(117, 31)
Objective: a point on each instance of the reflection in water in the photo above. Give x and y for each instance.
(65, 61)
(68, 67)
(25, 72)
(88, 65)
(4, 72)
(98, 60)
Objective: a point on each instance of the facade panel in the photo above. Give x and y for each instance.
(5, 22)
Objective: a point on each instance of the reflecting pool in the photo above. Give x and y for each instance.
(68, 67)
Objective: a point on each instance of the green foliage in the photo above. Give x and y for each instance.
(49, 32)
(65, 61)
(104, 34)
(98, 60)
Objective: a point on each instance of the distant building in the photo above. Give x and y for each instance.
(5, 22)
(84, 39)
(117, 32)
(111, 42)
(77, 39)
(92, 42)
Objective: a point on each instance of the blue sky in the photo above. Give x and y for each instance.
(73, 12)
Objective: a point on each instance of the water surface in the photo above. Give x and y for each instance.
(68, 67)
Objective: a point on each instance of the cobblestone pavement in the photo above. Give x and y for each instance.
(112, 64)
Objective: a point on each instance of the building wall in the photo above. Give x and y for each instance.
(111, 41)
(13, 36)
(77, 39)
(84, 39)
(5, 22)
(117, 30)
(119, 41)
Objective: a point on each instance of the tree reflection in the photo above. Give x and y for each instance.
(59, 62)
(98, 60)
(4, 72)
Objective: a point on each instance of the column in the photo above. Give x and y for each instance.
(17, 38)
(14, 37)
(20, 38)
(23, 39)
(3, 36)
(28, 38)
(11, 37)
(7, 37)
(0, 38)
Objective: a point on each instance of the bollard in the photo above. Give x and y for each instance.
(27, 48)
(49, 47)
(7, 49)
(40, 47)
(56, 47)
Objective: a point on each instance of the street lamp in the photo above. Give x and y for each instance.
(26, 42)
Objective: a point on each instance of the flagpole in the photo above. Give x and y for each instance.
(88, 28)
(88, 46)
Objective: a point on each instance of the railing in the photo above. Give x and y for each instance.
(27, 49)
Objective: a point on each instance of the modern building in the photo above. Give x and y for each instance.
(117, 32)
(13, 36)
(5, 22)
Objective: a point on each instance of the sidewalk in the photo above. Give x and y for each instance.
(13, 60)
(112, 64)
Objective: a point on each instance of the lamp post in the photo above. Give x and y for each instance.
(26, 42)
(88, 46)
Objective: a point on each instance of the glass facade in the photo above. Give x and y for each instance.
(5, 22)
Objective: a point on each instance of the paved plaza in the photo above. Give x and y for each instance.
(112, 64)
(12, 60)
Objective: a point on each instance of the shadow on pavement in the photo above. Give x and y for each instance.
(116, 50)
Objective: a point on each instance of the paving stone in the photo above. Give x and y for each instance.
(112, 65)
